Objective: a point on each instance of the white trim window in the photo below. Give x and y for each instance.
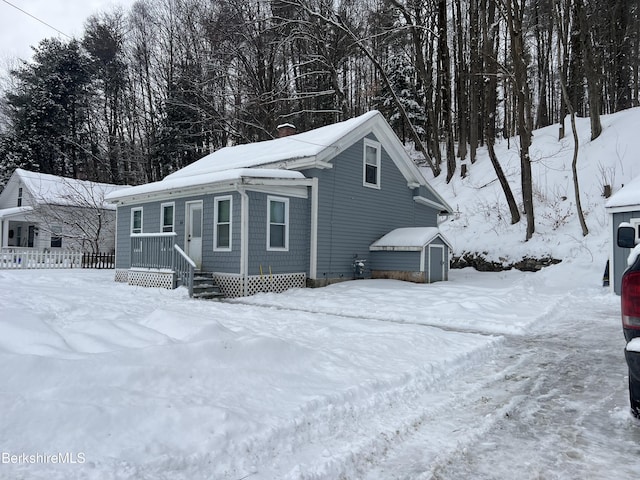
(136, 220)
(19, 196)
(277, 224)
(222, 221)
(167, 217)
(56, 236)
(371, 164)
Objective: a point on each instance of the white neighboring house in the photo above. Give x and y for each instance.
(46, 212)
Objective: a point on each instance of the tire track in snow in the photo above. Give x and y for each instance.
(353, 434)
(568, 420)
(444, 328)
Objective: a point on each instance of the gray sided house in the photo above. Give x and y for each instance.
(304, 209)
(623, 207)
(47, 213)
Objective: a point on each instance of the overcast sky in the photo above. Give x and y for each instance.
(18, 31)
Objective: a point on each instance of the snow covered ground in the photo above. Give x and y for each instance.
(479, 377)
(487, 376)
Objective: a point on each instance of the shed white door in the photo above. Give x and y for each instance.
(193, 232)
(436, 263)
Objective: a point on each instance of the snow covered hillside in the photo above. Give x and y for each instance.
(482, 221)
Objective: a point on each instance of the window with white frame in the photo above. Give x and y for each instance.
(56, 236)
(222, 223)
(278, 223)
(371, 164)
(136, 220)
(167, 214)
(19, 196)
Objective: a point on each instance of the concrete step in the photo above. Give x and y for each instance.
(205, 287)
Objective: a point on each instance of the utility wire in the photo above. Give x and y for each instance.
(36, 18)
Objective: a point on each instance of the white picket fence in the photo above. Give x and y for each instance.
(31, 258)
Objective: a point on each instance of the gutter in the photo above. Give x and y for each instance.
(244, 238)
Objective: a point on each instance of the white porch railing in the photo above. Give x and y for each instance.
(159, 251)
(152, 250)
(11, 257)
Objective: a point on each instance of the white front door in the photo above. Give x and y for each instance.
(193, 232)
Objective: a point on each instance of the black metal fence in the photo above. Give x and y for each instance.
(98, 260)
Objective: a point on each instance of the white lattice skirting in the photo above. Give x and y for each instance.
(122, 276)
(232, 285)
(151, 278)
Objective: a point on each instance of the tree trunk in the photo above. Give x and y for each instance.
(591, 71)
(444, 75)
(515, 13)
(490, 48)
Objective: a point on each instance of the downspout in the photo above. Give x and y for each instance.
(313, 251)
(244, 238)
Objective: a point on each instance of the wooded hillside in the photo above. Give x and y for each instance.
(147, 91)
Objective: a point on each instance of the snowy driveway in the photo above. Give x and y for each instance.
(476, 377)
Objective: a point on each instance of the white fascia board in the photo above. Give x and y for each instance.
(289, 187)
(280, 182)
(212, 188)
(295, 191)
(15, 212)
(169, 195)
(429, 203)
(623, 209)
(299, 164)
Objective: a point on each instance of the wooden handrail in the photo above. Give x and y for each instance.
(184, 268)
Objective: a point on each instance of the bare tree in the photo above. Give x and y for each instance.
(562, 45)
(490, 53)
(75, 211)
(513, 11)
(334, 20)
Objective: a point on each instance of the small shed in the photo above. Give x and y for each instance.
(415, 254)
(623, 206)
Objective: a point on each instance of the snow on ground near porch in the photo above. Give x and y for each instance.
(147, 383)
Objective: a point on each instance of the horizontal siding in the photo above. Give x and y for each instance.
(396, 261)
(352, 216)
(296, 259)
(211, 261)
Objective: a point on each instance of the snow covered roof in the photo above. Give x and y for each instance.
(55, 190)
(408, 239)
(306, 145)
(179, 184)
(627, 196)
(312, 149)
(14, 211)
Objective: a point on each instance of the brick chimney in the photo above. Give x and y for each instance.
(286, 129)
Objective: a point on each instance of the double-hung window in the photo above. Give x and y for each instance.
(19, 196)
(371, 164)
(167, 214)
(56, 236)
(222, 223)
(278, 223)
(136, 220)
